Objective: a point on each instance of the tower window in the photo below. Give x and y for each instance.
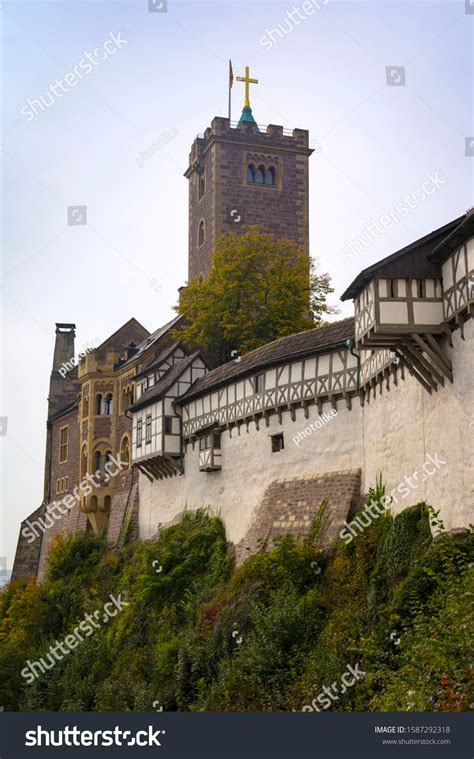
(98, 460)
(201, 233)
(270, 175)
(202, 187)
(260, 175)
(108, 403)
(125, 453)
(98, 404)
(251, 173)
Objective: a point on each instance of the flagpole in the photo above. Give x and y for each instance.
(230, 88)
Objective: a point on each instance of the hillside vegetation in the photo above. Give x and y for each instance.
(395, 605)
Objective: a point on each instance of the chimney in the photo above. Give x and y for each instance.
(61, 391)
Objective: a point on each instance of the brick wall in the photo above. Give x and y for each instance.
(289, 506)
(223, 155)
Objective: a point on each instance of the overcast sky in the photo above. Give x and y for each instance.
(376, 143)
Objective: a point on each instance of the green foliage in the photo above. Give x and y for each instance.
(259, 288)
(199, 634)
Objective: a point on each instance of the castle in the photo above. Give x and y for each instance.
(265, 438)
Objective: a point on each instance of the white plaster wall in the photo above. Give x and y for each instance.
(393, 434)
(405, 425)
(249, 466)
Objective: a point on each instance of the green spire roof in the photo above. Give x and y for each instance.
(247, 115)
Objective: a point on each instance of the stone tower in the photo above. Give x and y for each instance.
(246, 174)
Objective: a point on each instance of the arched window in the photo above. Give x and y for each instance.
(108, 403)
(85, 406)
(107, 457)
(83, 462)
(125, 453)
(93, 503)
(260, 175)
(270, 175)
(98, 404)
(202, 187)
(107, 503)
(251, 173)
(201, 233)
(98, 460)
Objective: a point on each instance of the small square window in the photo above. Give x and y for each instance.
(278, 442)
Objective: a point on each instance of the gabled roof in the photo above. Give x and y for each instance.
(455, 238)
(151, 339)
(410, 261)
(121, 337)
(160, 388)
(302, 344)
(160, 358)
(65, 410)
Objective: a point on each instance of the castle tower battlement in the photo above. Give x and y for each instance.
(246, 174)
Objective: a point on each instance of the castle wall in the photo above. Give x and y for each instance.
(403, 426)
(249, 467)
(395, 434)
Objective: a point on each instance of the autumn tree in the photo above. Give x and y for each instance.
(259, 288)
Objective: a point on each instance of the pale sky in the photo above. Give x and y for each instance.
(376, 143)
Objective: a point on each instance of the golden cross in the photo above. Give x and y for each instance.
(247, 81)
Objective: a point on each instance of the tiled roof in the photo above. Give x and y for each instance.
(151, 339)
(410, 261)
(154, 392)
(281, 350)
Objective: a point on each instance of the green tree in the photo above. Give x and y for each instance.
(259, 288)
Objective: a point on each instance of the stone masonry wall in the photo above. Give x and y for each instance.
(289, 507)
